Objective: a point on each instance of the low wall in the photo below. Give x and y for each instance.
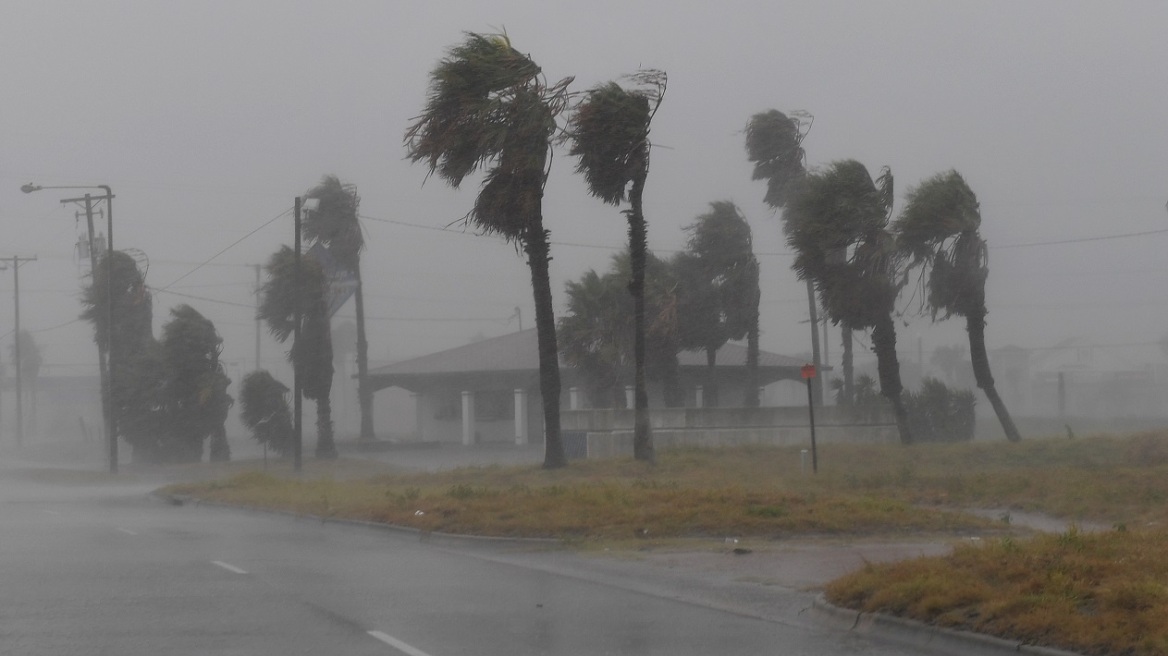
(609, 432)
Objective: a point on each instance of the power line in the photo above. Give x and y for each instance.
(1055, 242)
(225, 249)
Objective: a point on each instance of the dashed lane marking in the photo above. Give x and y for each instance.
(398, 644)
(127, 531)
(229, 568)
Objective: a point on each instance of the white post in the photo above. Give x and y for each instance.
(630, 397)
(419, 415)
(468, 418)
(698, 401)
(521, 417)
(573, 398)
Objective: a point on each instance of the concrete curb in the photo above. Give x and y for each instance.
(918, 634)
(436, 537)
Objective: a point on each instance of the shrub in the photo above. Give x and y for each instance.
(939, 414)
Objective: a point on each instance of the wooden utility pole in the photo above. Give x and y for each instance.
(16, 346)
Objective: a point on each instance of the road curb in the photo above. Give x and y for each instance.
(435, 537)
(918, 634)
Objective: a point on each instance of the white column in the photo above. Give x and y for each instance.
(520, 417)
(419, 415)
(698, 401)
(630, 397)
(468, 418)
(573, 398)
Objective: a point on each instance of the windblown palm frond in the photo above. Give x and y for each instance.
(334, 223)
(774, 142)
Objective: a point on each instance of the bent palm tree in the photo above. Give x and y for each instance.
(836, 222)
(610, 136)
(335, 224)
(938, 228)
(488, 105)
(312, 353)
(774, 142)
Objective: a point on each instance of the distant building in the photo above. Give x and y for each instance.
(488, 391)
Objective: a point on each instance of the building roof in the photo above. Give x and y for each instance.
(519, 351)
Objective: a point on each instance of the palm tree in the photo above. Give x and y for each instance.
(938, 229)
(610, 136)
(721, 247)
(335, 225)
(774, 142)
(312, 354)
(836, 221)
(489, 106)
(596, 333)
(195, 389)
(265, 411)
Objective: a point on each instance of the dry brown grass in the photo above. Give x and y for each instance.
(1102, 593)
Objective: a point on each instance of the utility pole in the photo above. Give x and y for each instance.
(104, 350)
(16, 347)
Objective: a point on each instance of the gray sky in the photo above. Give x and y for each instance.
(207, 118)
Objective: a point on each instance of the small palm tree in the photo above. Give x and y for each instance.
(335, 224)
(721, 245)
(837, 223)
(489, 106)
(610, 136)
(939, 230)
(312, 354)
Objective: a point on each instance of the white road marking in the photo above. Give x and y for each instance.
(127, 531)
(397, 644)
(229, 568)
(51, 512)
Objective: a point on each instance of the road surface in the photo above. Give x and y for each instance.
(89, 566)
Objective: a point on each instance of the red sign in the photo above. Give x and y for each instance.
(808, 371)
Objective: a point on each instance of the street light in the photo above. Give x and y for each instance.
(104, 350)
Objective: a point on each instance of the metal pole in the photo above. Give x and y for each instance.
(297, 401)
(811, 414)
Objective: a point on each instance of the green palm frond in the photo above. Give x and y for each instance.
(463, 124)
(609, 133)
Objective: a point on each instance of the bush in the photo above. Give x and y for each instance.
(939, 414)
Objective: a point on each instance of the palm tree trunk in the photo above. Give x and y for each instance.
(326, 448)
(364, 392)
(535, 243)
(849, 371)
(975, 325)
(884, 344)
(642, 438)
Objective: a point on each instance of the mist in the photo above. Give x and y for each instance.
(207, 119)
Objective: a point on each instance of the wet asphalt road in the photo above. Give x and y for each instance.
(103, 569)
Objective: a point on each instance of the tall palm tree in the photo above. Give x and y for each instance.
(610, 136)
(312, 354)
(939, 230)
(489, 106)
(774, 142)
(836, 221)
(335, 224)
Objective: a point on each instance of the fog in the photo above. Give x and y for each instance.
(207, 118)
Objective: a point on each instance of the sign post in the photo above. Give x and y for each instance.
(808, 372)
